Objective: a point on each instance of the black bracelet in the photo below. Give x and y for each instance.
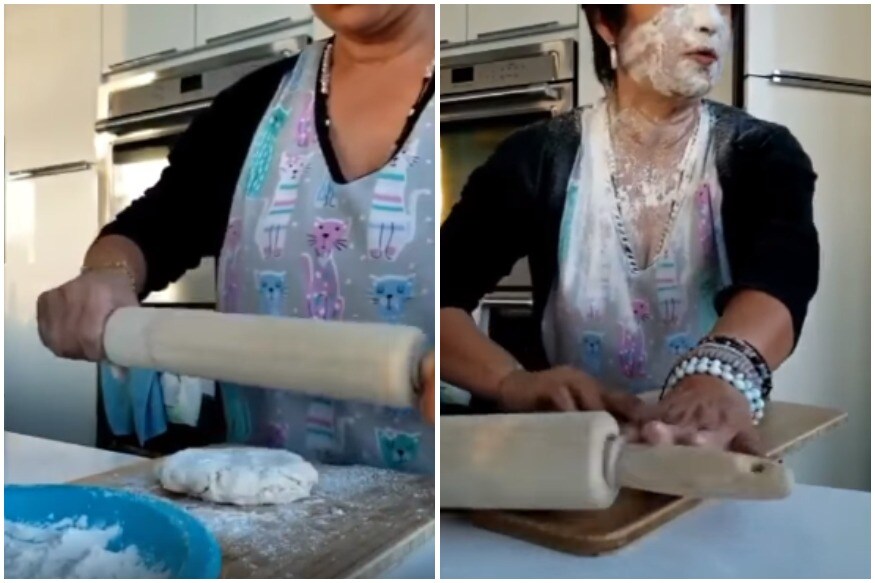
(749, 350)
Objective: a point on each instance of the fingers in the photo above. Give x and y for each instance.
(657, 433)
(427, 398)
(625, 406)
(72, 317)
(747, 441)
(559, 399)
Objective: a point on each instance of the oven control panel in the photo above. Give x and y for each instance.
(525, 71)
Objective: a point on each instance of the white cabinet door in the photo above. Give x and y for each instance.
(139, 31)
(454, 23)
(485, 20)
(50, 222)
(221, 20)
(822, 39)
(831, 365)
(51, 86)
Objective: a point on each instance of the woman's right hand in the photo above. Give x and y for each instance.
(71, 317)
(563, 389)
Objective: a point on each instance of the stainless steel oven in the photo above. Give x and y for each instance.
(143, 113)
(486, 96)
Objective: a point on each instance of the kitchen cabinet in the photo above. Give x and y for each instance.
(454, 23)
(487, 20)
(51, 86)
(220, 21)
(140, 31)
(50, 221)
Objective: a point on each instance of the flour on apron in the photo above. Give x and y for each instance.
(628, 326)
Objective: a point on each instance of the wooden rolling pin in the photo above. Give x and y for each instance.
(578, 461)
(378, 363)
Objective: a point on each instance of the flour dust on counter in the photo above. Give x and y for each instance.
(71, 549)
(243, 476)
(352, 514)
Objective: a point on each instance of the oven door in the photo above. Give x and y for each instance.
(133, 157)
(474, 124)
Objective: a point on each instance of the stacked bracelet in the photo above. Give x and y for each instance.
(752, 354)
(748, 385)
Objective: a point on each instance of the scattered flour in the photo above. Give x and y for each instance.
(69, 549)
(289, 540)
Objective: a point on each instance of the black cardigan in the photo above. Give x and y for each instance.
(512, 206)
(183, 217)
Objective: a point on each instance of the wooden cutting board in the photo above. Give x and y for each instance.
(359, 522)
(785, 428)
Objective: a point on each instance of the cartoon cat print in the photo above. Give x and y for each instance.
(679, 344)
(263, 149)
(398, 449)
(392, 216)
(272, 292)
(592, 352)
(276, 217)
(233, 266)
(669, 293)
(390, 294)
(632, 353)
(322, 294)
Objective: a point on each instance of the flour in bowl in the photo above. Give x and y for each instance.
(70, 549)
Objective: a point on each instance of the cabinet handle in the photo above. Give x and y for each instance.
(509, 32)
(144, 60)
(52, 170)
(258, 30)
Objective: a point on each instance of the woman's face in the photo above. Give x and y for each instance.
(359, 19)
(676, 50)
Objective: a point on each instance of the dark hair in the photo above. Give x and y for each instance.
(614, 17)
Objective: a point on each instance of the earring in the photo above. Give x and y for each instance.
(613, 56)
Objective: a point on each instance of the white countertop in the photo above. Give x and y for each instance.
(815, 533)
(31, 460)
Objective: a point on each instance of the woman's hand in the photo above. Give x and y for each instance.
(700, 410)
(426, 395)
(562, 389)
(71, 317)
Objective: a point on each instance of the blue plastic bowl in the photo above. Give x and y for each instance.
(165, 535)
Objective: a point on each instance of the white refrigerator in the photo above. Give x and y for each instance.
(807, 67)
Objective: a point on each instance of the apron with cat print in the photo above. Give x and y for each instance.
(622, 324)
(300, 245)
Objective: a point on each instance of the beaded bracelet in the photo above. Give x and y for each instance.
(749, 351)
(748, 386)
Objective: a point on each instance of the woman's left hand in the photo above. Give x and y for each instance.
(426, 392)
(700, 410)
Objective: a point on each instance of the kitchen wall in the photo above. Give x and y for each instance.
(56, 57)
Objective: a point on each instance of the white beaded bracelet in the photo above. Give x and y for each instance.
(716, 368)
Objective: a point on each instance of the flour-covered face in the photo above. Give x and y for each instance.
(678, 52)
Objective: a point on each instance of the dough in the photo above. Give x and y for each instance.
(238, 475)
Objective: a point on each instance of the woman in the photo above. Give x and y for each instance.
(670, 240)
(303, 179)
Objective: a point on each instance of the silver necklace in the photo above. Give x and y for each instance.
(619, 220)
(325, 81)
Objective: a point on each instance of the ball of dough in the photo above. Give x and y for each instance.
(238, 475)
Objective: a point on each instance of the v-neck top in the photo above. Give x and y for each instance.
(182, 218)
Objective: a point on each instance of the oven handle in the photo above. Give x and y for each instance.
(497, 302)
(543, 90)
(111, 125)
